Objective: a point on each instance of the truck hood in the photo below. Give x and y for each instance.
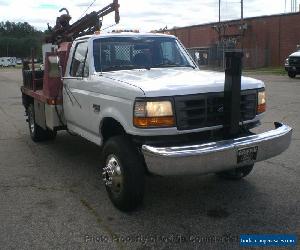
(295, 54)
(179, 81)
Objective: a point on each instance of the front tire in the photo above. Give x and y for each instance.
(123, 173)
(37, 133)
(236, 173)
(292, 74)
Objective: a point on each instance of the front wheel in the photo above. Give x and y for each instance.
(292, 74)
(236, 173)
(123, 173)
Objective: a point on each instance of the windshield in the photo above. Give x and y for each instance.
(121, 53)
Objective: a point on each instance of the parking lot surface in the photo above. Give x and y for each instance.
(52, 197)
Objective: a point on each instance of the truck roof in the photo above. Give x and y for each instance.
(123, 34)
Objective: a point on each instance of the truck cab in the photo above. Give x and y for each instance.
(143, 99)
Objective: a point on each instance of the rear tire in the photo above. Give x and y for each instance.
(123, 173)
(292, 74)
(236, 173)
(37, 133)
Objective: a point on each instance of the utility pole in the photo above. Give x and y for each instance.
(242, 11)
(219, 30)
(219, 11)
(242, 24)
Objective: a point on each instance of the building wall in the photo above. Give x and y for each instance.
(267, 41)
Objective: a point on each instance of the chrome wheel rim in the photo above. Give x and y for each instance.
(112, 174)
(31, 122)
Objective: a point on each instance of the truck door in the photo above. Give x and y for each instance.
(76, 109)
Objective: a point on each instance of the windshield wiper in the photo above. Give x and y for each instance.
(125, 67)
(189, 66)
(167, 65)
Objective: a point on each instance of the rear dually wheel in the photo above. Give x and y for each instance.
(37, 133)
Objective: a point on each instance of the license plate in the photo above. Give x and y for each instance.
(247, 154)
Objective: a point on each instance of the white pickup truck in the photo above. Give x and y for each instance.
(144, 99)
(292, 63)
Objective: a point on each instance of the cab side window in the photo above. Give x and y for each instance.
(79, 65)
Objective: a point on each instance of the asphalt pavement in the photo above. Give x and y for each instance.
(52, 197)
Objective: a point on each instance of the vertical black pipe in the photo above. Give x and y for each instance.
(232, 94)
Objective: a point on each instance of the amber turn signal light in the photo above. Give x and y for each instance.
(261, 108)
(261, 102)
(152, 122)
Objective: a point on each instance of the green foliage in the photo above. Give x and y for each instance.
(17, 39)
(267, 71)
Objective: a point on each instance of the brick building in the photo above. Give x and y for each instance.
(266, 40)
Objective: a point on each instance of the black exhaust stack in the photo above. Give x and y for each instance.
(232, 94)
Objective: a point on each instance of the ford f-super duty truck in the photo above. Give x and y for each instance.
(144, 100)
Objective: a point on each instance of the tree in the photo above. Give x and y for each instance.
(17, 39)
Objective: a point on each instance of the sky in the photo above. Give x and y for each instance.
(144, 15)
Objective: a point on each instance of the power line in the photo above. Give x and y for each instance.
(88, 8)
(109, 27)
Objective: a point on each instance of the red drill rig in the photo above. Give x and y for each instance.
(45, 86)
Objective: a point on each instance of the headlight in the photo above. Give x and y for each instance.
(287, 62)
(153, 114)
(261, 102)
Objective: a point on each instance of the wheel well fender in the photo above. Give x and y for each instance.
(26, 100)
(110, 127)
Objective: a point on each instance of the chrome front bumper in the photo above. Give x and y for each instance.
(216, 156)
